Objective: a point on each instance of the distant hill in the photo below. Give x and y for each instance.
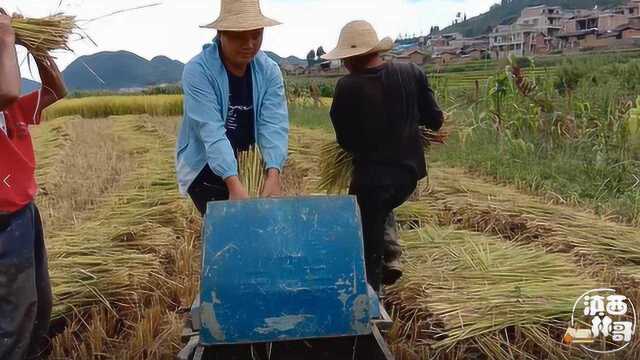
(510, 10)
(291, 60)
(29, 86)
(120, 70)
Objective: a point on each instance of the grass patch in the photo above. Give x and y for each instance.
(310, 117)
(570, 172)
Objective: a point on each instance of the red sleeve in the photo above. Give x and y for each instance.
(27, 108)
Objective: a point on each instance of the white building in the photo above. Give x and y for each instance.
(545, 19)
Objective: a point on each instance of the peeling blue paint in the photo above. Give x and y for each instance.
(283, 269)
(209, 319)
(361, 314)
(282, 323)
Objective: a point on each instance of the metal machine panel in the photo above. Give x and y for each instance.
(283, 269)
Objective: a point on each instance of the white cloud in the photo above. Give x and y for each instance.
(171, 29)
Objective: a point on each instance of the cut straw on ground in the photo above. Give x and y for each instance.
(115, 258)
(474, 203)
(132, 263)
(460, 286)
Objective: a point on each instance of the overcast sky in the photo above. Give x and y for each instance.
(171, 28)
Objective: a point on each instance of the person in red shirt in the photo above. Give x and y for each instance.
(25, 290)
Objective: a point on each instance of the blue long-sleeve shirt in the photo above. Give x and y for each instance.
(202, 138)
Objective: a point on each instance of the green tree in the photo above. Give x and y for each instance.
(311, 58)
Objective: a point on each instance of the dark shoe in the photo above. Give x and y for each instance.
(391, 273)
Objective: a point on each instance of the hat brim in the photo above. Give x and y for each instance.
(237, 23)
(384, 45)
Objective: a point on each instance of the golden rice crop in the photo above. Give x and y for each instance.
(251, 170)
(41, 36)
(105, 106)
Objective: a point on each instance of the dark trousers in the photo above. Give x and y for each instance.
(392, 247)
(376, 207)
(25, 290)
(207, 187)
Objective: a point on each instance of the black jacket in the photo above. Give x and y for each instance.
(376, 116)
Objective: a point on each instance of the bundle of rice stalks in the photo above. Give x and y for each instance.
(336, 164)
(303, 154)
(461, 289)
(41, 36)
(336, 167)
(251, 169)
(477, 204)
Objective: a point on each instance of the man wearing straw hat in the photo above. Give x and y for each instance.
(25, 291)
(233, 98)
(377, 111)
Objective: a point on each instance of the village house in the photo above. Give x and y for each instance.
(481, 42)
(413, 56)
(592, 30)
(543, 29)
(292, 69)
(579, 40)
(443, 40)
(631, 9)
(602, 21)
(540, 30)
(516, 39)
(471, 54)
(547, 20)
(447, 57)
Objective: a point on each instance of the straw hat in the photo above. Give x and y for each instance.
(358, 38)
(241, 15)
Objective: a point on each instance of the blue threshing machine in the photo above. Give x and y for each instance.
(285, 279)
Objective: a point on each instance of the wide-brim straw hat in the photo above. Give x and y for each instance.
(358, 38)
(241, 15)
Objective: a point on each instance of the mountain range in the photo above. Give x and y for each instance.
(291, 60)
(28, 86)
(120, 70)
(124, 70)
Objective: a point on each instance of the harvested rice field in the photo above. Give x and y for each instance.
(491, 272)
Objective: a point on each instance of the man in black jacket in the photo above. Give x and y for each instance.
(377, 111)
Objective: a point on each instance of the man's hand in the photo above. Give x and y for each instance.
(237, 191)
(272, 185)
(53, 88)
(9, 70)
(7, 35)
